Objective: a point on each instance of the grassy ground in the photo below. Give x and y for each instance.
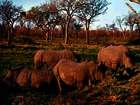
(110, 92)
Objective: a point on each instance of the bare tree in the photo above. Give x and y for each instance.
(135, 1)
(121, 21)
(130, 21)
(137, 16)
(9, 14)
(91, 9)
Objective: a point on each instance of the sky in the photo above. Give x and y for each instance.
(116, 8)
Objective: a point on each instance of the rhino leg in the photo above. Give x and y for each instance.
(58, 81)
(89, 83)
(80, 86)
(59, 84)
(37, 65)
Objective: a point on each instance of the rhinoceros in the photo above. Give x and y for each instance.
(114, 57)
(76, 74)
(51, 57)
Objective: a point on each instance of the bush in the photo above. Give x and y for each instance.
(24, 40)
(134, 42)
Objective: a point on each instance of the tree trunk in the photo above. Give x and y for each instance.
(63, 31)
(131, 27)
(9, 42)
(52, 32)
(123, 31)
(76, 36)
(51, 35)
(66, 33)
(9, 35)
(87, 32)
(138, 25)
(47, 36)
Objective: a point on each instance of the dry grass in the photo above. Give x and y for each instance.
(109, 92)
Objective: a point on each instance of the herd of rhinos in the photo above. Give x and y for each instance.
(62, 66)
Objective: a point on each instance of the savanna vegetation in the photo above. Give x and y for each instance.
(65, 24)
